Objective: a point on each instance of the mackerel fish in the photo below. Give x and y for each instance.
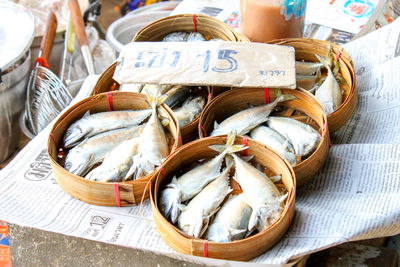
(260, 193)
(245, 120)
(153, 144)
(231, 221)
(308, 68)
(176, 95)
(84, 156)
(276, 141)
(302, 136)
(91, 125)
(190, 109)
(192, 182)
(116, 164)
(196, 215)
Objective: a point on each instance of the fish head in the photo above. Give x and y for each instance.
(73, 134)
(78, 162)
(268, 215)
(169, 203)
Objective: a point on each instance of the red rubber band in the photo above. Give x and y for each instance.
(54, 139)
(205, 247)
(109, 98)
(245, 144)
(42, 62)
(96, 91)
(266, 95)
(204, 131)
(338, 55)
(116, 192)
(179, 140)
(162, 172)
(209, 97)
(194, 23)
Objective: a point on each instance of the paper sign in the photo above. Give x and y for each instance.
(207, 63)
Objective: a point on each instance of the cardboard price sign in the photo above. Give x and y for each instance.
(207, 63)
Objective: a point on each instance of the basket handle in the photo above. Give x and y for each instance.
(77, 20)
(48, 37)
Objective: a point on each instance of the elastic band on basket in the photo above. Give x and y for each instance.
(109, 98)
(338, 55)
(42, 62)
(209, 97)
(54, 139)
(205, 247)
(179, 140)
(162, 172)
(96, 91)
(194, 23)
(245, 144)
(329, 137)
(112, 88)
(266, 95)
(116, 192)
(204, 131)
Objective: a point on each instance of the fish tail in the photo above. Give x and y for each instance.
(156, 100)
(283, 97)
(230, 146)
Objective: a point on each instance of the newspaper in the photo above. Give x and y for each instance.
(355, 195)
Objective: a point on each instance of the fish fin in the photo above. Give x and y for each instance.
(247, 158)
(87, 113)
(229, 162)
(218, 148)
(283, 197)
(132, 168)
(253, 220)
(235, 232)
(216, 125)
(165, 122)
(181, 207)
(275, 178)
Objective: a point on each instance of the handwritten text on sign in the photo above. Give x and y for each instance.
(202, 63)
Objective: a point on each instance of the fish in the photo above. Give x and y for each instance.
(153, 145)
(192, 182)
(176, 37)
(92, 150)
(308, 82)
(260, 193)
(91, 125)
(302, 136)
(245, 120)
(190, 109)
(276, 141)
(196, 37)
(131, 87)
(176, 95)
(116, 163)
(329, 93)
(156, 89)
(308, 68)
(196, 215)
(231, 221)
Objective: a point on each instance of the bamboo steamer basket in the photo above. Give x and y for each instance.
(241, 250)
(305, 50)
(102, 193)
(206, 25)
(105, 83)
(312, 113)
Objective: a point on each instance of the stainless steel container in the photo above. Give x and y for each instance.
(17, 29)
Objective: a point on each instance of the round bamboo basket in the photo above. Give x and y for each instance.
(102, 193)
(208, 26)
(244, 249)
(306, 49)
(305, 108)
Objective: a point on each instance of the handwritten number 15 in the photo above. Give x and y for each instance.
(224, 54)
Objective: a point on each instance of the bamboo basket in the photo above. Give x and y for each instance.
(206, 25)
(102, 193)
(311, 110)
(244, 249)
(305, 50)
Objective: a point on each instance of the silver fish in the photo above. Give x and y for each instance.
(276, 141)
(176, 37)
(329, 93)
(245, 120)
(131, 87)
(93, 150)
(195, 216)
(231, 221)
(91, 125)
(192, 182)
(308, 68)
(196, 37)
(116, 163)
(260, 193)
(190, 109)
(153, 146)
(307, 82)
(302, 136)
(177, 95)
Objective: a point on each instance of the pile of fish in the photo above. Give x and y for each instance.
(185, 101)
(127, 147)
(293, 139)
(180, 98)
(326, 89)
(191, 200)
